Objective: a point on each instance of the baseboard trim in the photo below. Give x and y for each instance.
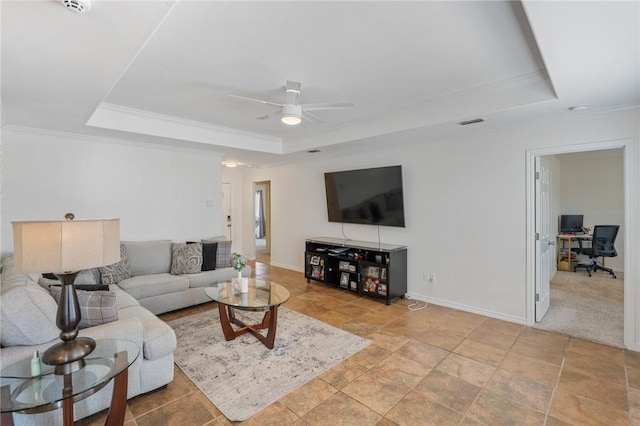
(285, 266)
(467, 308)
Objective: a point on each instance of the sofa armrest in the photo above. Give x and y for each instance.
(12, 354)
(125, 329)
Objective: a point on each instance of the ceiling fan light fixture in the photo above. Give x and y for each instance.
(291, 114)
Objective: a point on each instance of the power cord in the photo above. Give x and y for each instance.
(415, 306)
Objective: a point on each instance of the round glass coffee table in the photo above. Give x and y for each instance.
(261, 296)
(25, 393)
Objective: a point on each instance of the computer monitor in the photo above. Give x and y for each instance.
(571, 223)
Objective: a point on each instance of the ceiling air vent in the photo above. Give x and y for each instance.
(77, 6)
(474, 121)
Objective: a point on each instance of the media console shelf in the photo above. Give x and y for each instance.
(375, 270)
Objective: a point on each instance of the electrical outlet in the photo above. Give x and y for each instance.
(432, 277)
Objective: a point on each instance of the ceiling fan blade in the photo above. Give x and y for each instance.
(317, 107)
(259, 101)
(311, 117)
(267, 116)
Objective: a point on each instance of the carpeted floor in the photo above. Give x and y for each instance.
(242, 376)
(590, 308)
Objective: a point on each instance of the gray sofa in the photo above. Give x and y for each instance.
(152, 284)
(28, 311)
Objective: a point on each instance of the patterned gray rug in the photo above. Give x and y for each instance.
(242, 376)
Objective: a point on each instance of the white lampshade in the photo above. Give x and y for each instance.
(65, 245)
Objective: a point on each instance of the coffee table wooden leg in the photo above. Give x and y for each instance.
(119, 396)
(272, 324)
(229, 334)
(6, 419)
(269, 321)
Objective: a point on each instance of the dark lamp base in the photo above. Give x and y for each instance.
(68, 357)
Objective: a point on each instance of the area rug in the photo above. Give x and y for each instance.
(242, 376)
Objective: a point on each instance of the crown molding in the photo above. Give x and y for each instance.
(118, 117)
(113, 141)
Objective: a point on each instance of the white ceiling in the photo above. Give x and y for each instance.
(161, 71)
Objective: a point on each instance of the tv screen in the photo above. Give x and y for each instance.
(571, 223)
(366, 196)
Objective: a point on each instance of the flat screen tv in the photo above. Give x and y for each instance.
(571, 223)
(366, 196)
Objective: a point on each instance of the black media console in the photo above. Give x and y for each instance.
(375, 270)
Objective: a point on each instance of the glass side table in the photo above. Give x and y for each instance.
(23, 393)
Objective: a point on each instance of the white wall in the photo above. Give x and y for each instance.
(158, 193)
(465, 208)
(592, 184)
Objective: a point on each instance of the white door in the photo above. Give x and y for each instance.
(545, 242)
(226, 210)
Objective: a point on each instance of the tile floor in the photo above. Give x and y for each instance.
(434, 366)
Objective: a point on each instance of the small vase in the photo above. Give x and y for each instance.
(244, 285)
(239, 274)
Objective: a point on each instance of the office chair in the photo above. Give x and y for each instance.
(601, 246)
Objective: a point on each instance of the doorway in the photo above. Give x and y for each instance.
(535, 266)
(262, 213)
(583, 306)
(226, 210)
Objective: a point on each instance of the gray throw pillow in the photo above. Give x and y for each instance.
(223, 255)
(113, 274)
(186, 258)
(96, 307)
(89, 276)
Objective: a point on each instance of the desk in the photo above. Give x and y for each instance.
(566, 259)
(24, 393)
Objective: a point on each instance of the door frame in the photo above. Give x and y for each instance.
(543, 243)
(631, 231)
(267, 213)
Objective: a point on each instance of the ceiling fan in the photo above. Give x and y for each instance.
(291, 111)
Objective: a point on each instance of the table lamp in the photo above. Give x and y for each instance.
(65, 248)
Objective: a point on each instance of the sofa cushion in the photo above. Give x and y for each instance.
(87, 282)
(149, 257)
(206, 278)
(85, 277)
(28, 316)
(88, 277)
(9, 278)
(186, 258)
(209, 255)
(154, 285)
(123, 299)
(96, 307)
(118, 271)
(223, 253)
(159, 338)
(223, 256)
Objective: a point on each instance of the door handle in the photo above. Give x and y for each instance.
(551, 243)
